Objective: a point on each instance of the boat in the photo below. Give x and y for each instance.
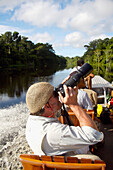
(102, 87)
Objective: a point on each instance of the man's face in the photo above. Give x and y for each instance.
(54, 103)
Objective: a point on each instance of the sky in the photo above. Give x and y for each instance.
(67, 25)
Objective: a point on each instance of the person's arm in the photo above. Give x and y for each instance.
(70, 99)
(89, 81)
(91, 75)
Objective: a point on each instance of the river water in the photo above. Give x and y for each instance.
(13, 87)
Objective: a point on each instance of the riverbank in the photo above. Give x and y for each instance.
(12, 136)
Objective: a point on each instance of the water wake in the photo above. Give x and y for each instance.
(13, 121)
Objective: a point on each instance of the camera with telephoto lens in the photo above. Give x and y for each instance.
(83, 72)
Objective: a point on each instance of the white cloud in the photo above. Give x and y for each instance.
(9, 5)
(42, 38)
(100, 36)
(104, 8)
(91, 14)
(111, 29)
(39, 13)
(58, 46)
(5, 28)
(82, 21)
(78, 15)
(74, 39)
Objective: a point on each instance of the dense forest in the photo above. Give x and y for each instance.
(99, 53)
(18, 51)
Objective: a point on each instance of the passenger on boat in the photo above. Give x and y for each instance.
(46, 135)
(86, 83)
(88, 79)
(84, 100)
(82, 97)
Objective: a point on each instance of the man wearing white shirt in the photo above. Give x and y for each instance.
(46, 135)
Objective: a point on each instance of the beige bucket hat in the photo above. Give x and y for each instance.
(38, 95)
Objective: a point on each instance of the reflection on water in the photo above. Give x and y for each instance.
(14, 84)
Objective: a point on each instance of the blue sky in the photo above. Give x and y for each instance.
(66, 24)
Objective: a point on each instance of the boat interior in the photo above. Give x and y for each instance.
(103, 149)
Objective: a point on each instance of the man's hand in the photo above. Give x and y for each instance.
(70, 99)
(70, 95)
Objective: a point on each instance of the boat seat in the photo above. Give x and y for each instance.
(34, 162)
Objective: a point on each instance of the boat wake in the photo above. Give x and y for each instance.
(13, 121)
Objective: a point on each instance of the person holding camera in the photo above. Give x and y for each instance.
(88, 79)
(46, 135)
(86, 83)
(82, 98)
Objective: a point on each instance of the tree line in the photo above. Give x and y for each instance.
(18, 51)
(99, 53)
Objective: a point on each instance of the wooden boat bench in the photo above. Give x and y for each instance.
(34, 162)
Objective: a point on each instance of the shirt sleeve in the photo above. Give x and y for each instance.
(71, 137)
(78, 137)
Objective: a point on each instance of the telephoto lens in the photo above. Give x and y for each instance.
(83, 72)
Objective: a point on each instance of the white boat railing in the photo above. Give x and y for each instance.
(100, 83)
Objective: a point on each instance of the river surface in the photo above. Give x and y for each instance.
(13, 87)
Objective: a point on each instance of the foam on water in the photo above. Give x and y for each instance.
(12, 121)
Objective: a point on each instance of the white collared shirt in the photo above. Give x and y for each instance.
(48, 136)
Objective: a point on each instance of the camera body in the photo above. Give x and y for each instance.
(83, 72)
